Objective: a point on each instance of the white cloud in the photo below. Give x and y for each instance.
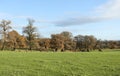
(106, 11)
(111, 9)
(77, 21)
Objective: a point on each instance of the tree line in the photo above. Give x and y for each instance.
(30, 40)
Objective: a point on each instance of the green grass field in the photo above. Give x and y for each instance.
(60, 64)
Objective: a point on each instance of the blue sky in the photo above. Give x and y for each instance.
(100, 18)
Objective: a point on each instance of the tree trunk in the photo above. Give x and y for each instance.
(3, 46)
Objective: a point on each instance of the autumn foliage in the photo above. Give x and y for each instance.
(64, 41)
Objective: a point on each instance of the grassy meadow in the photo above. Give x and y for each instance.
(60, 64)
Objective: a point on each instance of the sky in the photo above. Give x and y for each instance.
(100, 18)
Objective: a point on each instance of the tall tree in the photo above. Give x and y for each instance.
(79, 42)
(30, 32)
(15, 40)
(5, 27)
(68, 40)
(12, 37)
(85, 43)
(90, 42)
(57, 42)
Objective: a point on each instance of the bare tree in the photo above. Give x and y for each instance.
(5, 26)
(30, 32)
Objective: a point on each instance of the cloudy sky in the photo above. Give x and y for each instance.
(100, 18)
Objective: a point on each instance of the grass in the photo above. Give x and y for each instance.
(60, 64)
